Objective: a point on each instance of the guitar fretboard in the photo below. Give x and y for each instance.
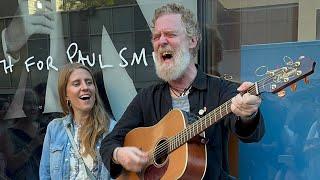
(203, 123)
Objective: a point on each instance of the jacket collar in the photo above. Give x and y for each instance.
(200, 82)
(67, 120)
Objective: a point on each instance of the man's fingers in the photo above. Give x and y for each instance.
(132, 158)
(245, 105)
(244, 86)
(143, 157)
(49, 14)
(45, 20)
(251, 99)
(47, 5)
(40, 25)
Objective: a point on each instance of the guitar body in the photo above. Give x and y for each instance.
(186, 162)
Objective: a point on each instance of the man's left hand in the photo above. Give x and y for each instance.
(247, 104)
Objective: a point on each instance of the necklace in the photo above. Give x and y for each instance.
(180, 94)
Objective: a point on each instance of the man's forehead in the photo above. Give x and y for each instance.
(166, 31)
(168, 22)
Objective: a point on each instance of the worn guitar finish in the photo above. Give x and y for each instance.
(174, 147)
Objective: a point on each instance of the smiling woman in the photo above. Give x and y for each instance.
(72, 143)
(80, 94)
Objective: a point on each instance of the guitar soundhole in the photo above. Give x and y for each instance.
(161, 152)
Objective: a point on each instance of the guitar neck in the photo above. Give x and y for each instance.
(204, 122)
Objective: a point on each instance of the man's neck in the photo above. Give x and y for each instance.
(185, 80)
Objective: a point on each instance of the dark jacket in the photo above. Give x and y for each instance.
(153, 103)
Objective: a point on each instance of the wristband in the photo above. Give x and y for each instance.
(115, 155)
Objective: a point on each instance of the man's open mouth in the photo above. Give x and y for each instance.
(166, 55)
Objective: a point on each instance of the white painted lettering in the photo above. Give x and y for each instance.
(142, 54)
(122, 58)
(40, 65)
(81, 59)
(72, 52)
(50, 63)
(91, 64)
(75, 45)
(27, 63)
(154, 56)
(5, 66)
(102, 66)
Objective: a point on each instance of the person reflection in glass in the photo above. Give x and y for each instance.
(312, 147)
(24, 140)
(4, 104)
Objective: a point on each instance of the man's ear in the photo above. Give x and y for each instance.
(193, 42)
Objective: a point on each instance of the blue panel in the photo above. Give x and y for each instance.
(290, 148)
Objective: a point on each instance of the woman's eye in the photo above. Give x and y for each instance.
(89, 82)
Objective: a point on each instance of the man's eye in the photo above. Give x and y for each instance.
(155, 38)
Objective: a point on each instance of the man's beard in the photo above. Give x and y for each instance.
(175, 69)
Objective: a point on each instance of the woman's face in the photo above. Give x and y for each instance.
(81, 91)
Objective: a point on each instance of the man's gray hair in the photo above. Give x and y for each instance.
(188, 19)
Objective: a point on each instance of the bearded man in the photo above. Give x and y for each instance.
(175, 39)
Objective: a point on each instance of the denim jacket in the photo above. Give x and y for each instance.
(55, 158)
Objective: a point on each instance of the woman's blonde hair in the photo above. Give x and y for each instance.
(98, 120)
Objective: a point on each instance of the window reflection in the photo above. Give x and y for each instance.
(27, 26)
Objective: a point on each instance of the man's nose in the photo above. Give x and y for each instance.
(163, 40)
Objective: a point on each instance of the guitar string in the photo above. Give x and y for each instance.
(164, 149)
(160, 150)
(164, 146)
(182, 134)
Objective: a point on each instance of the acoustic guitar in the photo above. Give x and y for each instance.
(175, 149)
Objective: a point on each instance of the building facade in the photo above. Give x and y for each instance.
(113, 38)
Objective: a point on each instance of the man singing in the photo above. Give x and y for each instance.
(176, 38)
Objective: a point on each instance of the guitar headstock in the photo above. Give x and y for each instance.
(276, 80)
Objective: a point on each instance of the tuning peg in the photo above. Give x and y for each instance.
(293, 87)
(281, 93)
(306, 80)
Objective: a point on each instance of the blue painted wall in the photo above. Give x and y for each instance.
(290, 148)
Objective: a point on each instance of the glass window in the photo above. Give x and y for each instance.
(113, 37)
